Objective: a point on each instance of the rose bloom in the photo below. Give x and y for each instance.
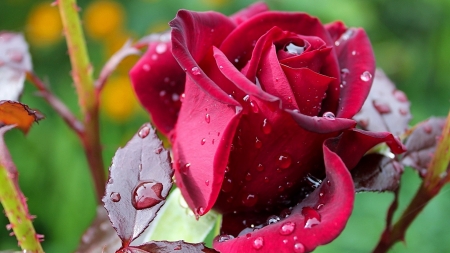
(258, 107)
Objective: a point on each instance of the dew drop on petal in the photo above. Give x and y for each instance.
(185, 168)
(299, 248)
(146, 194)
(203, 141)
(284, 160)
(146, 67)
(258, 243)
(200, 211)
(249, 200)
(258, 143)
(260, 167)
(115, 196)
(266, 127)
(195, 71)
(312, 217)
(248, 177)
(207, 182)
(366, 76)
(246, 98)
(287, 228)
(182, 97)
(254, 106)
(144, 132)
(329, 116)
(207, 118)
(161, 48)
(227, 185)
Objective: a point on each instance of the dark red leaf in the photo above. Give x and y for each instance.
(376, 172)
(140, 180)
(422, 143)
(168, 247)
(15, 61)
(16, 113)
(386, 109)
(100, 236)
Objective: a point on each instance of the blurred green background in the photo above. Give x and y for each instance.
(411, 39)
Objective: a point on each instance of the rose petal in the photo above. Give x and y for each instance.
(357, 63)
(203, 139)
(239, 43)
(336, 29)
(246, 13)
(313, 60)
(354, 143)
(158, 82)
(193, 36)
(321, 124)
(332, 203)
(308, 88)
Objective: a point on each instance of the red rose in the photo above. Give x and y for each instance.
(259, 108)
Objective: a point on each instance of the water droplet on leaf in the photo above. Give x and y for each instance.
(115, 196)
(147, 194)
(144, 132)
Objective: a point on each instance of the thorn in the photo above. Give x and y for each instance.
(54, 3)
(76, 7)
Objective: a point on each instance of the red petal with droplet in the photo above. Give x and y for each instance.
(335, 196)
(158, 82)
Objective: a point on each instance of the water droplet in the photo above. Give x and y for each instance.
(144, 132)
(284, 160)
(203, 141)
(312, 217)
(258, 243)
(266, 179)
(200, 211)
(185, 168)
(294, 49)
(246, 98)
(272, 219)
(382, 108)
(260, 167)
(344, 73)
(287, 228)
(115, 196)
(207, 182)
(299, 248)
(400, 96)
(224, 238)
(353, 52)
(258, 143)
(220, 67)
(366, 76)
(313, 181)
(248, 177)
(319, 206)
(154, 57)
(227, 185)
(195, 71)
(161, 48)
(285, 241)
(254, 106)
(289, 99)
(182, 97)
(329, 116)
(207, 118)
(158, 150)
(146, 194)
(266, 127)
(249, 200)
(227, 169)
(146, 67)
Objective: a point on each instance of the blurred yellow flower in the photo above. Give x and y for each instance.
(118, 99)
(103, 18)
(43, 26)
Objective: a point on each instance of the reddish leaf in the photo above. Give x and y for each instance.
(376, 172)
(15, 60)
(386, 109)
(140, 180)
(100, 236)
(16, 113)
(422, 143)
(168, 247)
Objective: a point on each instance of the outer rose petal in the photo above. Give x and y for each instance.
(357, 64)
(158, 82)
(335, 29)
(332, 203)
(244, 14)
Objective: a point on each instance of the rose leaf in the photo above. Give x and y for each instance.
(168, 247)
(386, 109)
(422, 143)
(15, 61)
(100, 236)
(16, 113)
(376, 172)
(139, 182)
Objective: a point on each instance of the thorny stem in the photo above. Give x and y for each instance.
(56, 104)
(14, 202)
(437, 176)
(84, 83)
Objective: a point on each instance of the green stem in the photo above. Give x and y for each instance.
(15, 205)
(84, 83)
